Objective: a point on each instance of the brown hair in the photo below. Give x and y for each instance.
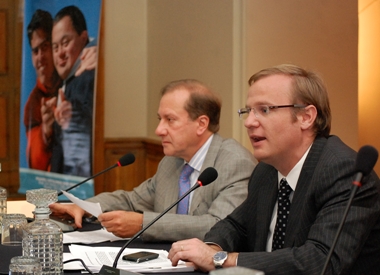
(202, 101)
(308, 89)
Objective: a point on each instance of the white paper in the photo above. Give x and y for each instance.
(76, 265)
(90, 207)
(96, 257)
(89, 237)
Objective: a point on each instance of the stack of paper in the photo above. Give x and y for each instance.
(89, 237)
(96, 257)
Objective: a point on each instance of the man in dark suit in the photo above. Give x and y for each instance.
(288, 121)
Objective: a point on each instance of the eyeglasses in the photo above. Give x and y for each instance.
(264, 110)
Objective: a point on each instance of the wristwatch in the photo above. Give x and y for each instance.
(219, 258)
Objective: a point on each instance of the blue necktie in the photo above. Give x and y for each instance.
(282, 215)
(184, 186)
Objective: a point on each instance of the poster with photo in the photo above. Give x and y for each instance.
(57, 102)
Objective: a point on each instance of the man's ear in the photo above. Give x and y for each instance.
(203, 122)
(84, 37)
(307, 117)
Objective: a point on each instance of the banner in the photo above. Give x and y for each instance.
(58, 94)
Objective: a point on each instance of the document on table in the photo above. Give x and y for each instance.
(96, 257)
(89, 237)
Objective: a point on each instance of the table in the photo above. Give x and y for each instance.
(8, 252)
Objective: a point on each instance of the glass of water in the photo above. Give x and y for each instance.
(3, 202)
(25, 265)
(12, 229)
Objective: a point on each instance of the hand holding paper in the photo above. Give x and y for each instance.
(90, 207)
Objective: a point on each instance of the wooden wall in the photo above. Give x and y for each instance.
(148, 153)
(10, 67)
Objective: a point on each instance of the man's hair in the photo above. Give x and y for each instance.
(76, 16)
(40, 20)
(308, 89)
(202, 101)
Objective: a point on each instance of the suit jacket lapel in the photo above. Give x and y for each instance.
(303, 185)
(172, 185)
(209, 161)
(268, 188)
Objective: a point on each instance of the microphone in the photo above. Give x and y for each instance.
(123, 161)
(205, 178)
(365, 161)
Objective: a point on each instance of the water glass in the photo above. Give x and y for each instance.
(25, 265)
(3, 202)
(12, 229)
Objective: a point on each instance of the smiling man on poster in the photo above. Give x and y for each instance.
(50, 172)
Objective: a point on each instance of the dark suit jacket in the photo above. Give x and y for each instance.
(72, 147)
(319, 201)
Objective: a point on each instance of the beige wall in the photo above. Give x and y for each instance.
(369, 74)
(223, 42)
(318, 35)
(190, 39)
(125, 46)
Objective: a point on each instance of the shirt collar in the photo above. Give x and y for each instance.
(197, 160)
(294, 174)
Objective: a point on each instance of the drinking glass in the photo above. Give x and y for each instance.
(12, 229)
(25, 265)
(3, 201)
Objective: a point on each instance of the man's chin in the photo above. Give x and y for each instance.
(168, 152)
(63, 73)
(42, 79)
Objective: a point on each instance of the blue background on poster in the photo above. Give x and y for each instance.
(91, 10)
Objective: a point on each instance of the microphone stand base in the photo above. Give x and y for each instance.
(108, 270)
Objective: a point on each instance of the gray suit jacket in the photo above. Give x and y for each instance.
(319, 201)
(209, 204)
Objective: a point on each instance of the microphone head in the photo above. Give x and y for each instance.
(207, 176)
(126, 159)
(366, 159)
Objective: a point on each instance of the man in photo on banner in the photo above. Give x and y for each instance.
(72, 147)
(38, 145)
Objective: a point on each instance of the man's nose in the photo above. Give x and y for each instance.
(60, 51)
(160, 129)
(40, 53)
(251, 120)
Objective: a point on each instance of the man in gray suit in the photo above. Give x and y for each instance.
(188, 124)
(288, 121)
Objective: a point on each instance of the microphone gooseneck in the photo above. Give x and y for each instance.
(365, 161)
(123, 161)
(205, 178)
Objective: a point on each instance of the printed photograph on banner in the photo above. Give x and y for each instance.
(59, 58)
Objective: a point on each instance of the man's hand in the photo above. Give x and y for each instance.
(199, 254)
(123, 224)
(68, 210)
(47, 114)
(194, 251)
(88, 60)
(63, 112)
